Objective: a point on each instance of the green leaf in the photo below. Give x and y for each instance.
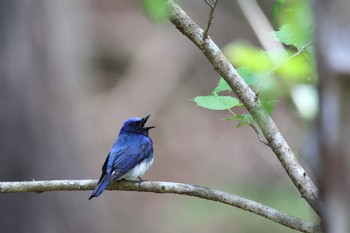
(290, 35)
(248, 75)
(245, 119)
(156, 10)
(297, 24)
(242, 123)
(269, 105)
(276, 10)
(216, 102)
(222, 86)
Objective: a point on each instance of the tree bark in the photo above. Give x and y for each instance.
(333, 55)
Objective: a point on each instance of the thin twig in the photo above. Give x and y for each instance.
(165, 187)
(259, 135)
(254, 128)
(210, 17)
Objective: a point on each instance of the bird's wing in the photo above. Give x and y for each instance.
(104, 168)
(129, 155)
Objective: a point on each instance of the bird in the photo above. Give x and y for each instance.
(130, 157)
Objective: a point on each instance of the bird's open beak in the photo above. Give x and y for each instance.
(144, 120)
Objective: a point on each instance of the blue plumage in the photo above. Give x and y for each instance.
(130, 157)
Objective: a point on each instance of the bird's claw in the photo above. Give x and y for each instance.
(140, 181)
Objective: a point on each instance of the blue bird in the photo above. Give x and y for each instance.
(130, 157)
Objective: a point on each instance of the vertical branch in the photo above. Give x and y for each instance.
(333, 125)
(210, 17)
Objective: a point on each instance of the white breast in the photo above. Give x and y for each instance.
(138, 170)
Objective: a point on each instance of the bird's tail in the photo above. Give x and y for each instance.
(102, 185)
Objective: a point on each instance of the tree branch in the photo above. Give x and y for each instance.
(210, 17)
(246, 95)
(258, 134)
(164, 187)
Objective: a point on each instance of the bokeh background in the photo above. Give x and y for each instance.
(73, 71)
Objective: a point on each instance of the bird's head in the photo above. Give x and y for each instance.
(136, 125)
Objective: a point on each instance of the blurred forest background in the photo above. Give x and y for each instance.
(73, 71)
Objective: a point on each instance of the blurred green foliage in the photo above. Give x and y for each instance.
(156, 10)
(296, 24)
(248, 56)
(274, 74)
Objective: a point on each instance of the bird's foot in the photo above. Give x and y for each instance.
(140, 181)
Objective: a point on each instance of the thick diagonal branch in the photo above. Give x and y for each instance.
(246, 95)
(164, 187)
